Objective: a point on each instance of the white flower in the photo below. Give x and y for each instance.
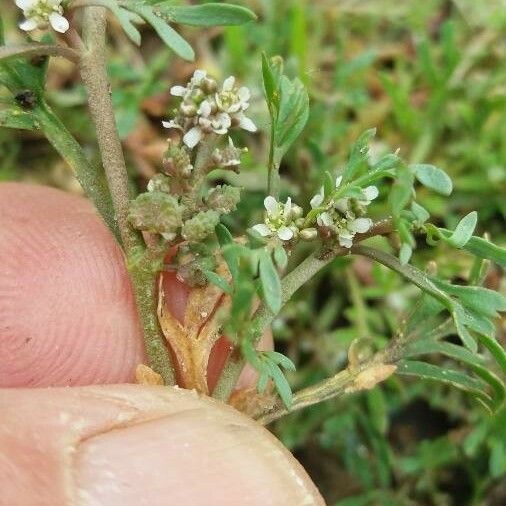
(195, 82)
(369, 193)
(359, 225)
(172, 124)
(317, 200)
(325, 219)
(278, 218)
(40, 13)
(345, 238)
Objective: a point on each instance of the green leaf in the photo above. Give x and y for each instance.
(421, 214)
(166, 32)
(211, 14)
(223, 234)
(292, 115)
(271, 72)
(405, 253)
(280, 257)
(482, 248)
(479, 299)
(262, 381)
(271, 285)
(401, 192)
(280, 359)
(218, 281)
(495, 349)
(455, 378)
(463, 231)
(359, 154)
(17, 118)
(433, 178)
(282, 385)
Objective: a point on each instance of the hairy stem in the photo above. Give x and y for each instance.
(90, 177)
(36, 49)
(96, 82)
(144, 275)
(141, 264)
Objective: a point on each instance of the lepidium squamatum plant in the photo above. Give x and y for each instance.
(239, 284)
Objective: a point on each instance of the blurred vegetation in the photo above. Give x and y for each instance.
(432, 77)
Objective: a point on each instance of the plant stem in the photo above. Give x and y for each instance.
(36, 49)
(330, 388)
(143, 266)
(96, 82)
(90, 177)
(263, 317)
(144, 275)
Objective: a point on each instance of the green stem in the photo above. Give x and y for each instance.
(96, 82)
(144, 275)
(36, 49)
(143, 265)
(89, 176)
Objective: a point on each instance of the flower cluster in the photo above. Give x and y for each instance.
(280, 219)
(205, 109)
(344, 217)
(41, 13)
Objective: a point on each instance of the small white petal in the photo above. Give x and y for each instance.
(360, 225)
(192, 137)
(231, 142)
(342, 205)
(325, 220)
(199, 76)
(178, 91)
(339, 180)
(371, 192)
(285, 233)
(205, 109)
(58, 22)
(171, 124)
(271, 205)
(345, 242)
(225, 119)
(288, 208)
(228, 83)
(244, 94)
(262, 229)
(26, 4)
(247, 124)
(317, 200)
(28, 25)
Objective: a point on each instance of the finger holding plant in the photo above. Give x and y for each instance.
(238, 285)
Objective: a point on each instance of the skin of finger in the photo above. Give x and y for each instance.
(132, 445)
(67, 313)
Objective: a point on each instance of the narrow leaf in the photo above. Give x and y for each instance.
(359, 154)
(280, 359)
(211, 14)
(217, 280)
(271, 285)
(223, 234)
(449, 376)
(282, 385)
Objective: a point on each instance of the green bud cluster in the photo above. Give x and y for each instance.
(224, 198)
(176, 161)
(157, 212)
(201, 226)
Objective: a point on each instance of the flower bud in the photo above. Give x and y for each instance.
(188, 110)
(176, 161)
(156, 212)
(224, 199)
(200, 226)
(309, 234)
(209, 85)
(297, 211)
(160, 183)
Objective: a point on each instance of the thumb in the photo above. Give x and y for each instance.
(129, 445)
(67, 314)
